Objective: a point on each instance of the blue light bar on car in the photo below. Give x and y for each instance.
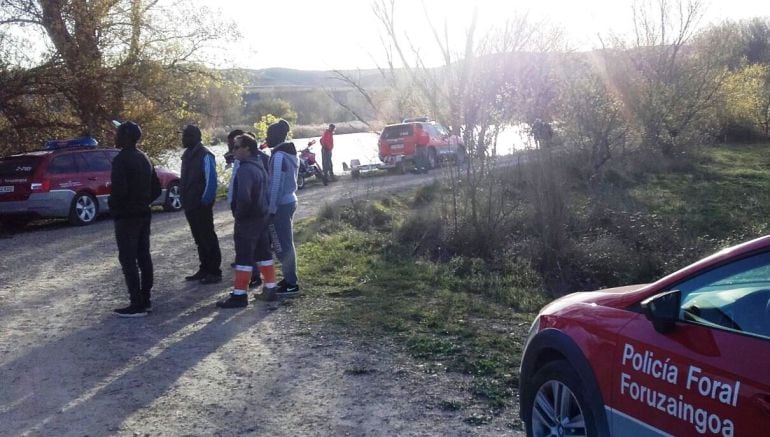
(74, 142)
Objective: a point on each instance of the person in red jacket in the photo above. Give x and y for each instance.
(421, 163)
(327, 144)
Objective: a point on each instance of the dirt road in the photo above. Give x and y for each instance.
(69, 367)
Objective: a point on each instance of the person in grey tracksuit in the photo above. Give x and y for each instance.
(284, 166)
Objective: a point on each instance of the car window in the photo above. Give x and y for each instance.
(96, 161)
(431, 130)
(441, 130)
(397, 131)
(63, 164)
(18, 167)
(735, 296)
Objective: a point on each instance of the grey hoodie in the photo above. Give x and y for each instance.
(284, 167)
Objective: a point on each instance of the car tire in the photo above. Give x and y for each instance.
(559, 403)
(173, 201)
(300, 182)
(84, 209)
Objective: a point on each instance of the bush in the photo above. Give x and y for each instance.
(423, 232)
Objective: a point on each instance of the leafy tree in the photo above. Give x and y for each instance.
(273, 106)
(108, 59)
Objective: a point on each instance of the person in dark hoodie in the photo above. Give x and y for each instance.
(134, 186)
(283, 170)
(249, 205)
(199, 189)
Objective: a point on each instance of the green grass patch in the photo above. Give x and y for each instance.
(453, 317)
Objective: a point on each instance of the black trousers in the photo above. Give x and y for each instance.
(326, 161)
(201, 221)
(133, 238)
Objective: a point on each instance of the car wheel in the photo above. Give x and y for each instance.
(559, 404)
(173, 201)
(84, 209)
(300, 182)
(432, 158)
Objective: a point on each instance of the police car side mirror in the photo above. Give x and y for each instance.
(663, 310)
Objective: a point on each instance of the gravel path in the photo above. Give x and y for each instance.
(69, 367)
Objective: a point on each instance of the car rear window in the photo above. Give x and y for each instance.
(22, 166)
(397, 131)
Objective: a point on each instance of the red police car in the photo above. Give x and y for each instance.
(686, 355)
(68, 179)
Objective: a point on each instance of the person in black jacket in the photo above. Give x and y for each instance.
(198, 190)
(249, 205)
(134, 186)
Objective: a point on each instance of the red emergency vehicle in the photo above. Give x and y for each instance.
(688, 355)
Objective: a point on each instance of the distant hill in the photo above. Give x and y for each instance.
(286, 79)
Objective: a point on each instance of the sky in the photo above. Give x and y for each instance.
(345, 34)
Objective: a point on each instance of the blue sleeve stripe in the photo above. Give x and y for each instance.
(210, 175)
(275, 181)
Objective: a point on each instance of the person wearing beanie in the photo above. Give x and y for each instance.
(283, 168)
(134, 186)
(198, 190)
(327, 144)
(249, 206)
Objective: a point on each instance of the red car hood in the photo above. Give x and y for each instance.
(617, 297)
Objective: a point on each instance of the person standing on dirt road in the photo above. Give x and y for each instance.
(421, 164)
(262, 255)
(327, 145)
(198, 190)
(249, 205)
(134, 186)
(283, 203)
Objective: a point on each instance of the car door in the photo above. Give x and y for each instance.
(711, 374)
(437, 140)
(95, 173)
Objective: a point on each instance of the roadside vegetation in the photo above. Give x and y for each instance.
(390, 269)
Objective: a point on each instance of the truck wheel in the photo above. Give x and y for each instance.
(84, 209)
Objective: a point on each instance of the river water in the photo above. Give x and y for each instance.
(362, 146)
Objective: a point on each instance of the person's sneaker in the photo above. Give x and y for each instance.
(211, 279)
(131, 311)
(267, 294)
(148, 305)
(234, 301)
(255, 281)
(287, 291)
(200, 274)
